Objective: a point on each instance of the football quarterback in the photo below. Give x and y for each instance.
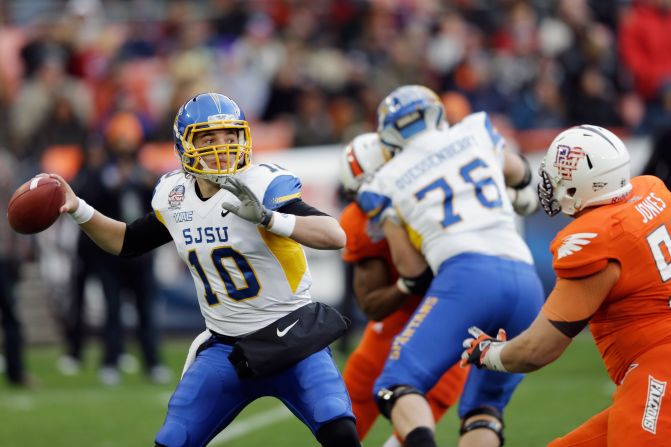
(239, 227)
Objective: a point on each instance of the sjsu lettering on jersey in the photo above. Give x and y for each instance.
(205, 234)
(434, 160)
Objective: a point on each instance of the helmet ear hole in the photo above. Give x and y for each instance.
(571, 192)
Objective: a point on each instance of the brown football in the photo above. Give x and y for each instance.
(34, 206)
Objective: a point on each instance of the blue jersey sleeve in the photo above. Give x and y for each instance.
(283, 190)
(373, 204)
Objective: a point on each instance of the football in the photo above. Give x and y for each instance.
(34, 206)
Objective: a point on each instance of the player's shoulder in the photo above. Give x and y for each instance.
(273, 184)
(648, 202)
(481, 126)
(373, 197)
(170, 189)
(352, 218)
(583, 247)
(646, 184)
(587, 243)
(475, 120)
(170, 178)
(365, 239)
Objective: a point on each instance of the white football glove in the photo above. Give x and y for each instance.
(248, 207)
(193, 349)
(525, 200)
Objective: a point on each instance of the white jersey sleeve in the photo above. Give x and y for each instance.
(447, 186)
(245, 277)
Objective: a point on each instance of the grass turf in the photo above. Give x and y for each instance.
(77, 411)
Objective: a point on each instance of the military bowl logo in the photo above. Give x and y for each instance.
(176, 196)
(567, 160)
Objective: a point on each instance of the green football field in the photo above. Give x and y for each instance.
(77, 411)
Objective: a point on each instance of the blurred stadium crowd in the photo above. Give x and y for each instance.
(96, 82)
(313, 72)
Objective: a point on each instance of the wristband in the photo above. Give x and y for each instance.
(283, 224)
(83, 213)
(418, 285)
(492, 359)
(400, 285)
(526, 179)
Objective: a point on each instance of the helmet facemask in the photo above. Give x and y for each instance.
(546, 195)
(406, 112)
(215, 162)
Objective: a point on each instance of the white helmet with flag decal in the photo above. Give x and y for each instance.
(584, 166)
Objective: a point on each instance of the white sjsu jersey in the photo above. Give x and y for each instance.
(447, 186)
(246, 277)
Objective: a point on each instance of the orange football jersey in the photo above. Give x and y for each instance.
(365, 239)
(635, 316)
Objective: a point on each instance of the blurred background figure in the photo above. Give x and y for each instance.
(11, 251)
(113, 181)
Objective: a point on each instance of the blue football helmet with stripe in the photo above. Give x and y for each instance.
(209, 112)
(407, 111)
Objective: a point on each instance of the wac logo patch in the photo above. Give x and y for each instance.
(567, 160)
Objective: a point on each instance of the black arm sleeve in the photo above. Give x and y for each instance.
(570, 328)
(144, 235)
(300, 208)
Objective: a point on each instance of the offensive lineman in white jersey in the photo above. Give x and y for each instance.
(238, 227)
(443, 207)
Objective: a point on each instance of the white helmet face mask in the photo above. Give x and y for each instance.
(584, 166)
(360, 159)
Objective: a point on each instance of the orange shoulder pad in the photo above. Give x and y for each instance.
(583, 247)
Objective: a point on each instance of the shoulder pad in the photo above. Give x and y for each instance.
(373, 204)
(481, 124)
(169, 190)
(581, 251)
(285, 188)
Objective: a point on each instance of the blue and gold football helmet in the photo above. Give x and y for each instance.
(407, 111)
(209, 112)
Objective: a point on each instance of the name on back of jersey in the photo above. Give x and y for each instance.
(435, 159)
(650, 207)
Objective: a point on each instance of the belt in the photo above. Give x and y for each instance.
(225, 339)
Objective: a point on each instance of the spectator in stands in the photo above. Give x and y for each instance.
(645, 32)
(116, 183)
(10, 242)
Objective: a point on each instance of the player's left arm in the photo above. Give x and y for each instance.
(566, 312)
(313, 228)
(416, 275)
(304, 224)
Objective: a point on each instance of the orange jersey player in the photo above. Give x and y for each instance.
(613, 266)
(382, 301)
